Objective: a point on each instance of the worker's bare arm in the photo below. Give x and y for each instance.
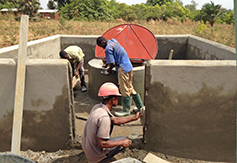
(103, 143)
(111, 66)
(77, 69)
(119, 120)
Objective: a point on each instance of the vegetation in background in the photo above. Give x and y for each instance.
(9, 29)
(109, 10)
(90, 17)
(51, 5)
(28, 7)
(210, 13)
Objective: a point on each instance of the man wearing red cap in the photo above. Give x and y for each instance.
(96, 142)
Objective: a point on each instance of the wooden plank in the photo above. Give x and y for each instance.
(20, 86)
(171, 54)
(150, 158)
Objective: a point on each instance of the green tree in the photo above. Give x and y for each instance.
(192, 6)
(159, 2)
(62, 3)
(211, 12)
(7, 4)
(51, 4)
(228, 17)
(128, 15)
(88, 10)
(179, 2)
(28, 7)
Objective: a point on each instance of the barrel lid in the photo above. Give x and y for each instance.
(138, 41)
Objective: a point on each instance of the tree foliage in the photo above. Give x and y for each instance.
(7, 4)
(51, 4)
(155, 2)
(62, 3)
(88, 10)
(107, 10)
(210, 13)
(28, 7)
(192, 6)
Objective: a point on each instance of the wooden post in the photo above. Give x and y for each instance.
(20, 86)
(171, 54)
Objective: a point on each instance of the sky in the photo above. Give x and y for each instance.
(228, 4)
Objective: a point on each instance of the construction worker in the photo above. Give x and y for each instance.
(75, 56)
(96, 141)
(117, 57)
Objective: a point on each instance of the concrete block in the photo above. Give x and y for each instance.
(48, 115)
(191, 109)
(150, 158)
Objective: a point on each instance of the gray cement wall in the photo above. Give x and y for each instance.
(96, 79)
(46, 48)
(203, 49)
(176, 42)
(190, 104)
(191, 109)
(48, 115)
(184, 46)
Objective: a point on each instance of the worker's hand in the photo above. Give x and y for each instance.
(138, 115)
(109, 70)
(76, 74)
(126, 143)
(104, 65)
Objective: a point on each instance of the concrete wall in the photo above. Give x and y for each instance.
(190, 104)
(191, 109)
(203, 49)
(184, 46)
(48, 115)
(190, 47)
(96, 79)
(46, 48)
(176, 42)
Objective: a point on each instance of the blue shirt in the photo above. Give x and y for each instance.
(115, 53)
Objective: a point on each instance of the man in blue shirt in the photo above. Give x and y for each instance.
(117, 57)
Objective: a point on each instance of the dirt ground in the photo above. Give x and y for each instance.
(133, 130)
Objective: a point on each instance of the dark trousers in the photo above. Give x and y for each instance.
(114, 150)
(81, 72)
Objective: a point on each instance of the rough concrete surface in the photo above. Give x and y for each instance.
(47, 105)
(83, 104)
(191, 109)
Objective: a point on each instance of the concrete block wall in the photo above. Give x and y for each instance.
(191, 109)
(46, 48)
(48, 115)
